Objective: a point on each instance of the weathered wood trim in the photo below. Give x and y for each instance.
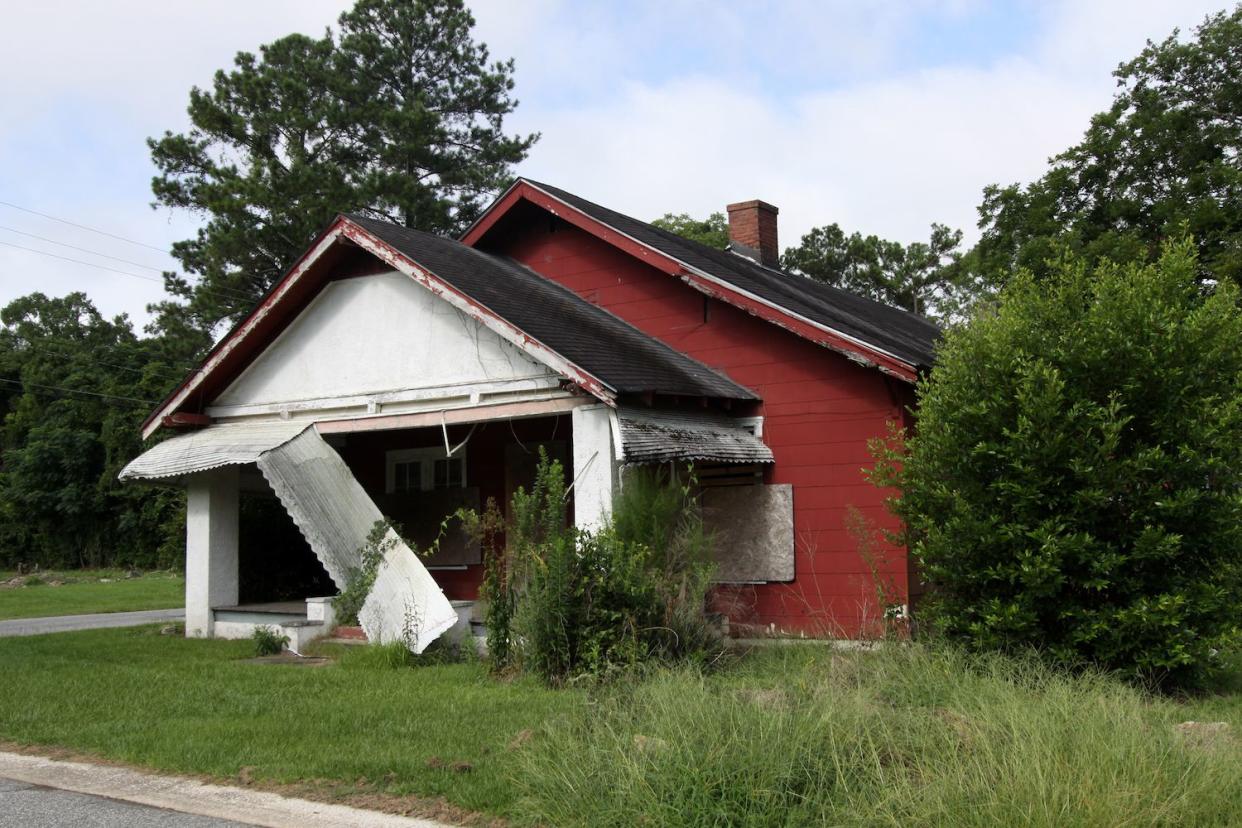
(473, 393)
(231, 342)
(456, 416)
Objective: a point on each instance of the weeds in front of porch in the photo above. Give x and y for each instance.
(268, 641)
(359, 581)
(396, 655)
(565, 604)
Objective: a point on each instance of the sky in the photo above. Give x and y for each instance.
(882, 115)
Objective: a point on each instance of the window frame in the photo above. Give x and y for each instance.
(425, 457)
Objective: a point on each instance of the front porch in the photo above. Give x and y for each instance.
(248, 565)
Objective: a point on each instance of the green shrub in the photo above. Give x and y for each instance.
(1075, 483)
(268, 641)
(564, 603)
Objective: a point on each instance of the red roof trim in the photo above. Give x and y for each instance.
(523, 190)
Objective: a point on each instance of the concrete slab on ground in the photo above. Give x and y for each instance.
(105, 785)
(94, 621)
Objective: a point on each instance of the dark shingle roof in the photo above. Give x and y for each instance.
(907, 336)
(586, 335)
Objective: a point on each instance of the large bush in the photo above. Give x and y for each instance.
(1074, 481)
(565, 603)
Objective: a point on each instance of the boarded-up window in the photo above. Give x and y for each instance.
(752, 527)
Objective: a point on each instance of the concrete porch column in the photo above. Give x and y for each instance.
(211, 528)
(594, 465)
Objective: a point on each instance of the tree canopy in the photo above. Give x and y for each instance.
(399, 113)
(712, 231)
(922, 277)
(1165, 156)
(1075, 482)
(75, 387)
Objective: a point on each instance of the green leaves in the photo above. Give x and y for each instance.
(1161, 161)
(925, 278)
(398, 114)
(1074, 481)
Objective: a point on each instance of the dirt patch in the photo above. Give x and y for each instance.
(1206, 735)
(766, 698)
(522, 739)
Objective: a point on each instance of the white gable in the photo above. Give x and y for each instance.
(377, 341)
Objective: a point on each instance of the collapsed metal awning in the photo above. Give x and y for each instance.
(652, 436)
(210, 448)
(329, 506)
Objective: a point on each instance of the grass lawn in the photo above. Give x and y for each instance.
(194, 706)
(84, 591)
(794, 735)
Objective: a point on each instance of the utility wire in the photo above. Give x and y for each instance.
(228, 293)
(42, 347)
(82, 249)
(84, 227)
(23, 384)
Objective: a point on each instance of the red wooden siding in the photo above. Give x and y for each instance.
(819, 408)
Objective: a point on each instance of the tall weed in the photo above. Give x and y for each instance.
(903, 734)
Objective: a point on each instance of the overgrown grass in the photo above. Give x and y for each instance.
(905, 736)
(795, 735)
(84, 591)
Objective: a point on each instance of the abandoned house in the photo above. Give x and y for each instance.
(392, 372)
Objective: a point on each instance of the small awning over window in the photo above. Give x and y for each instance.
(234, 444)
(652, 436)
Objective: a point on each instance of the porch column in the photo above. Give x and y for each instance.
(594, 470)
(210, 547)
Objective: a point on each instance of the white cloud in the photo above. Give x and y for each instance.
(823, 107)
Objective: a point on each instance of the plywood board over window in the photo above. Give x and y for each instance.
(753, 530)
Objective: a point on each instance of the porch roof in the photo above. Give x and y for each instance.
(231, 444)
(654, 436)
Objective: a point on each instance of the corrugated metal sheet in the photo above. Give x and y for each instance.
(658, 436)
(209, 448)
(336, 515)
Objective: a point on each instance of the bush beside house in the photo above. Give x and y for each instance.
(1075, 483)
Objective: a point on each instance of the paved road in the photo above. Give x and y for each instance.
(33, 806)
(100, 620)
(35, 791)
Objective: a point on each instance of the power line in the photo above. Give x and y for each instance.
(81, 262)
(82, 249)
(22, 384)
(71, 350)
(223, 292)
(83, 227)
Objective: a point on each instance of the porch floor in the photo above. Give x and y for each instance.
(271, 608)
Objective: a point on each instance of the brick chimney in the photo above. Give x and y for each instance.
(752, 231)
